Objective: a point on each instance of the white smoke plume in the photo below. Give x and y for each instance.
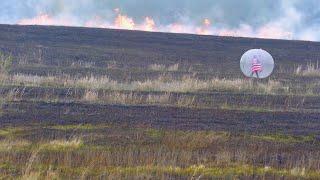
(277, 19)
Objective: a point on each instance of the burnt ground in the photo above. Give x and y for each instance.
(53, 49)
(242, 100)
(28, 113)
(43, 50)
(223, 134)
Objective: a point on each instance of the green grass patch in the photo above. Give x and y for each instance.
(11, 131)
(285, 138)
(9, 145)
(155, 133)
(194, 171)
(7, 170)
(211, 172)
(78, 127)
(62, 145)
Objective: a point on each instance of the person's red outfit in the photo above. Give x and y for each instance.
(256, 67)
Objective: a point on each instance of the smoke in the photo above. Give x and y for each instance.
(278, 19)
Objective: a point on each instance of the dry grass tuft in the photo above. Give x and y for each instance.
(63, 144)
(298, 171)
(152, 153)
(90, 95)
(272, 87)
(131, 98)
(312, 70)
(84, 64)
(223, 157)
(162, 67)
(174, 67)
(13, 144)
(157, 67)
(158, 99)
(186, 101)
(161, 84)
(190, 140)
(32, 175)
(190, 84)
(122, 98)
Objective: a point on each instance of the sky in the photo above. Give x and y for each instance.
(275, 19)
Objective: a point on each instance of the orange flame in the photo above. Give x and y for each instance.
(124, 22)
(270, 31)
(149, 24)
(204, 29)
(206, 22)
(42, 19)
(178, 28)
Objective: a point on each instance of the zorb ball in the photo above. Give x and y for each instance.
(257, 63)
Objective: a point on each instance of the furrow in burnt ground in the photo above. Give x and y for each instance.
(178, 118)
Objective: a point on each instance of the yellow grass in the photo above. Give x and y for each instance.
(90, 95)
(312, 70)
(157, 67)
(174, 67)
(197, 171)
(13, 144)
(163, 84)
(158, 99)
(176, 154)
(63, 144)
(162, 67)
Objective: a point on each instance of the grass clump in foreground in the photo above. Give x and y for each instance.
(311, 70)
(7, 145)
(163, 68)
(285, 138)
(10, 131)
(62, 144)
(77, 127)
(131, 98)
(126, 152)
(151, 171)
(198, 171)
(5, 63)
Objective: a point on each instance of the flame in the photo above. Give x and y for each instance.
(271, 31)
(179, 28)
(227, 32)
(41, 19)
(122, 21)
(149, 24)
(243, 30)
(206, 22)
(46, 19)
(204, 29)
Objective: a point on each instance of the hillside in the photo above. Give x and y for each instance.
(62, 46)
(81, 103)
